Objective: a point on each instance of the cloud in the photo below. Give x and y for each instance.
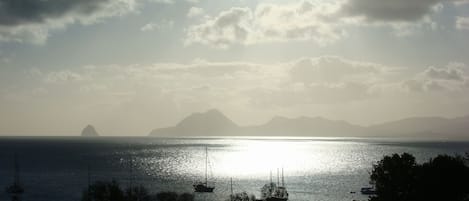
(268, 23)
(164, 24)
(62, 76)
(461, 2)
(149, 27)
(4, 58)
(317, 80)
(195, 12)
(291, 95)
(331, 69)
(136, 95)
(305, 81)
(404, 17)
(450, 73)
(390, 11)
(452, 77)
(325, 80)
(32, 20)
(227, 28)
(462, 23)
(162, 1)
(319, 21)
(204, 68)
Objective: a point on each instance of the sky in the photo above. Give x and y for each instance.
(129, 66)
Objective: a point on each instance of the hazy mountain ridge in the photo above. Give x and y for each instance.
(89, 131)
(212, 122)
(304, 126)
(428, 126)
(215, 123)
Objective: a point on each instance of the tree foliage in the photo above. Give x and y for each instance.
(400, 178)
(103, 191)
(111, 191)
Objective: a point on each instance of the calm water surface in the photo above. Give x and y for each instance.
(56, 169)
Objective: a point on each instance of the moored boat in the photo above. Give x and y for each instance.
(274, 192)
(16, 189)
(368, 191)
(204, 187)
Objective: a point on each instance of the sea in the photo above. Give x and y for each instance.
(314, 169)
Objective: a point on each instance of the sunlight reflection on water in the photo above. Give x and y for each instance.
(315, 169)
(254, 158)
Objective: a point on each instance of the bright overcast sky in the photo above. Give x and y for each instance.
(129, 66)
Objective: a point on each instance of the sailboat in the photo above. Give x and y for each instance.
(274, 192)
(16, 189)
(203, 187)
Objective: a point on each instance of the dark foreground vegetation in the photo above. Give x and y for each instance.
(111, 191)
(400, 178)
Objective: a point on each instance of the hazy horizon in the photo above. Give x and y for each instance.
(129, 66)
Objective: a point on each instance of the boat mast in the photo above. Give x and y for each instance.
(16, 189)
(206, 161)
(283, 181)
(131, 173)
(271, 176)
(278, 178)
(231, 187)
(88, 180)
(16, 173)
(88, 175)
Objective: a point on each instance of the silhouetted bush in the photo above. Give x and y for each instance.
(138, 193)
(167, 196)
(444, 178)
(111, 191)
(103, 191)
(186, 197)
(394, 176)
(400, 178)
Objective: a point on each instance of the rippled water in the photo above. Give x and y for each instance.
(55, 169)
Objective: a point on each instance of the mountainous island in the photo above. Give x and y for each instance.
(89, 131)
(215, 123)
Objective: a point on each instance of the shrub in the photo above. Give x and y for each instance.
(167, 196)
(111, 191)
(103, 191)
(400, 178)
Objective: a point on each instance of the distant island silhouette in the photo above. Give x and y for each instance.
(89, 131)
(215, 123)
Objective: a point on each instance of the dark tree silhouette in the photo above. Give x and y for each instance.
(111, 191)
(393, 177)
(167, 196)
(444, 178)
(103, 191)
(138, 193)
(399, 178)
(186, 197)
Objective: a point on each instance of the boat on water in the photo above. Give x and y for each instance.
(16, 189)
(274, 191)
(204, 187)
(368, 191)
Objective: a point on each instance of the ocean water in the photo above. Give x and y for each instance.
(318, 169)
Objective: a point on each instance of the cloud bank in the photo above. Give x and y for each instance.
(32, 20)
(267, 23)
(319, 21)
(139, 94)
(462, 23)
(391, 11)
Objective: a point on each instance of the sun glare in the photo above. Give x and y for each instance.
(258, 158)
